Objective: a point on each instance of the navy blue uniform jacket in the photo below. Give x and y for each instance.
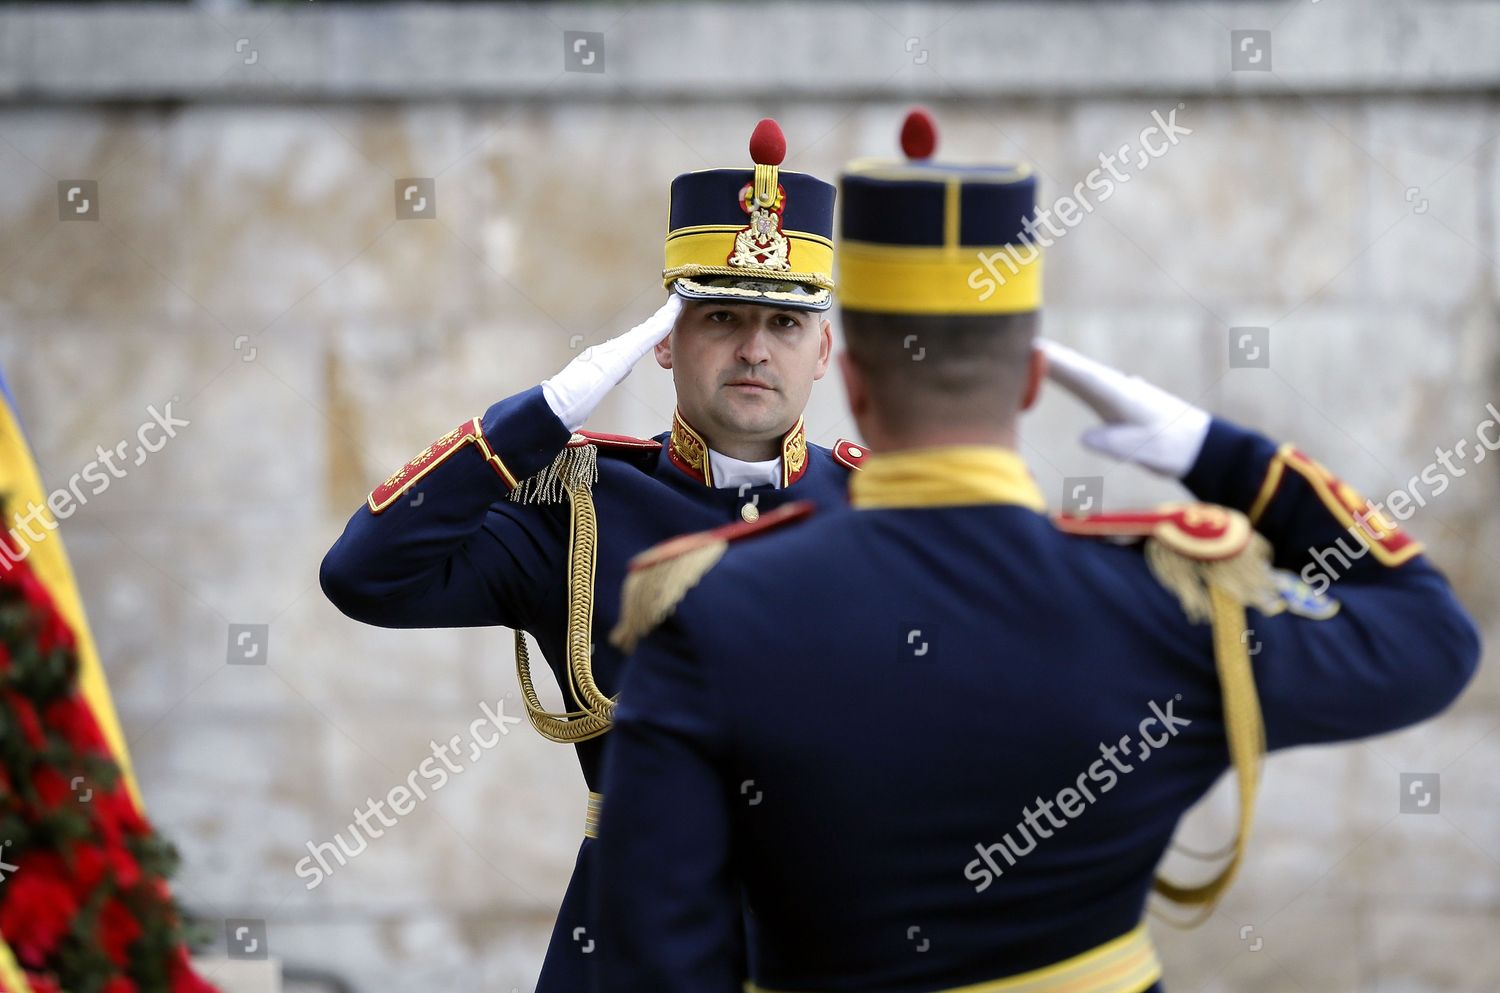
(784, 738)
(448, 548)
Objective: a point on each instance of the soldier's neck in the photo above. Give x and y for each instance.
(882, 440)
(746, 449)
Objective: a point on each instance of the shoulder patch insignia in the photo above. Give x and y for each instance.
(849, 454)
(1295, 596)
(469, 432)
(659, 577)
(1387, 542)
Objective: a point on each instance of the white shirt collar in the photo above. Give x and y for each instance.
(728, 471)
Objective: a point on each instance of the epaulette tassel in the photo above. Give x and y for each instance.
(575, 468)
(651, 593)
(1245, 577)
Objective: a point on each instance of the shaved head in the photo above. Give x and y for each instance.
(936, 375)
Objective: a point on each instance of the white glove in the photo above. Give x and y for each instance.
(575, 391)
(1142, 423)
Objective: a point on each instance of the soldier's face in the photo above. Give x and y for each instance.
(745, 371)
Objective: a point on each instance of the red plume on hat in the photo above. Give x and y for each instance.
(918, 134)
(767, 151)
(767, 143)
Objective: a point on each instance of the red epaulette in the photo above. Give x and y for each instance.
(849, 454)
(614, 441)
(1201, 531)
(1193, 549)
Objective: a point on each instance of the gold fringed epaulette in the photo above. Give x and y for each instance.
(655, 588)
(1189, 548)
(575, 468)
(1245, 577)
(659, 577)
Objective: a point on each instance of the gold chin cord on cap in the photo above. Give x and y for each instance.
(572, 474)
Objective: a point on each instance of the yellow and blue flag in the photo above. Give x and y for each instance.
(21, 488)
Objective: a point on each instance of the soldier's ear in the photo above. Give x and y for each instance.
(1036, 371)
(663, 350)
(856, 391)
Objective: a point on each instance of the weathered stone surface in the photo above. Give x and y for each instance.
(406, 50)
(1414, 951)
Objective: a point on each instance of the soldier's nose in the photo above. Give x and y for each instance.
(752, 349)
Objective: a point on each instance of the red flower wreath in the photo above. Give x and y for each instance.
(86, 908)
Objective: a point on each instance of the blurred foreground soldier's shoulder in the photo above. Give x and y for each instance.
(659, 577)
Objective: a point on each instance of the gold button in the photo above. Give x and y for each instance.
(855, 452)
(750, 512)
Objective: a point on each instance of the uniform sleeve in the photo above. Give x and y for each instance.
(439, 544)
(669, 905)
(1367, 636)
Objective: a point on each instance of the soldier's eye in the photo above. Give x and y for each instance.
(720, 316)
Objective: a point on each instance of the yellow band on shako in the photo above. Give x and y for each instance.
(899, 279)
(711, 245)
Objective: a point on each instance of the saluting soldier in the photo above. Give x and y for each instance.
(939, 740)
(518, 517)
